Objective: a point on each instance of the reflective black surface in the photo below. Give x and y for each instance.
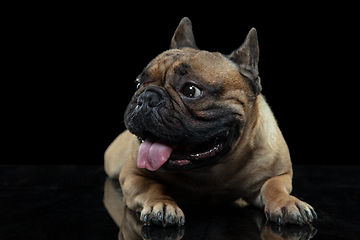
(79, 202)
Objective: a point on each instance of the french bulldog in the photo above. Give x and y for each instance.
(199, 131)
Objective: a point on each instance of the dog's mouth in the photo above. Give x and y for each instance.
(155, 153)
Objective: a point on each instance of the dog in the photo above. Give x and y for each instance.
(199, 131)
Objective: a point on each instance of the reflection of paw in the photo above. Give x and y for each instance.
(289, 209)
(288, 232)
(164, 213)
(156, 232)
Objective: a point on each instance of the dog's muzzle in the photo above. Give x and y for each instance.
(149, 99)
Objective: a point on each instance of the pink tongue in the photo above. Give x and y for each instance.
(153, 154)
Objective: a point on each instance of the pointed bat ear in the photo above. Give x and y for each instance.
(247, 58)
(183, 36)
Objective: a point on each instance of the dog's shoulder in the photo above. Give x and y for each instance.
(267, 134)
(267, 128)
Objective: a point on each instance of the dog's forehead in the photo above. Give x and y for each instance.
(215, 67)
(159, 66)
(210, 66)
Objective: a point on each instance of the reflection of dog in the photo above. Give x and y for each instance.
(203, 133)
(243, 223)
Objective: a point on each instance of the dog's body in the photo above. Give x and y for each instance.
(206, 135)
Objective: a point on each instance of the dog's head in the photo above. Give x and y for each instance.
(191, 105)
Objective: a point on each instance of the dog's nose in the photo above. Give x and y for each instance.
(150, 98)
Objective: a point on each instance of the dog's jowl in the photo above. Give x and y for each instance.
(200, 131)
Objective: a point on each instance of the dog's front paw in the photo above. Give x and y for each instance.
(289, 209)
(166, 213)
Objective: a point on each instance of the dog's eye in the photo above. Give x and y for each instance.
(191, 91)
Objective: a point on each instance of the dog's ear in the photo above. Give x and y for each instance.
(247, 58)
(183, 36)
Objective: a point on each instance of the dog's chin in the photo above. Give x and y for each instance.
(189, 155)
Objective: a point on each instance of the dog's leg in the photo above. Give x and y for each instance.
(151, 198)
(281, 207)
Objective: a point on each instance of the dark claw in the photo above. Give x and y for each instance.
(267, 215)
(182, 221)
(299, 220)
(279, 220)
(307, 215)
(314, 214)
(146, 218)
(160, 216)
(170, 220)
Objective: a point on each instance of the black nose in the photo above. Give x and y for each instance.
(149, 98)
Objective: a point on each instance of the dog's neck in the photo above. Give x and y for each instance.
(260, 127)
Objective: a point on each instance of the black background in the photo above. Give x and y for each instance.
(73, 68)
